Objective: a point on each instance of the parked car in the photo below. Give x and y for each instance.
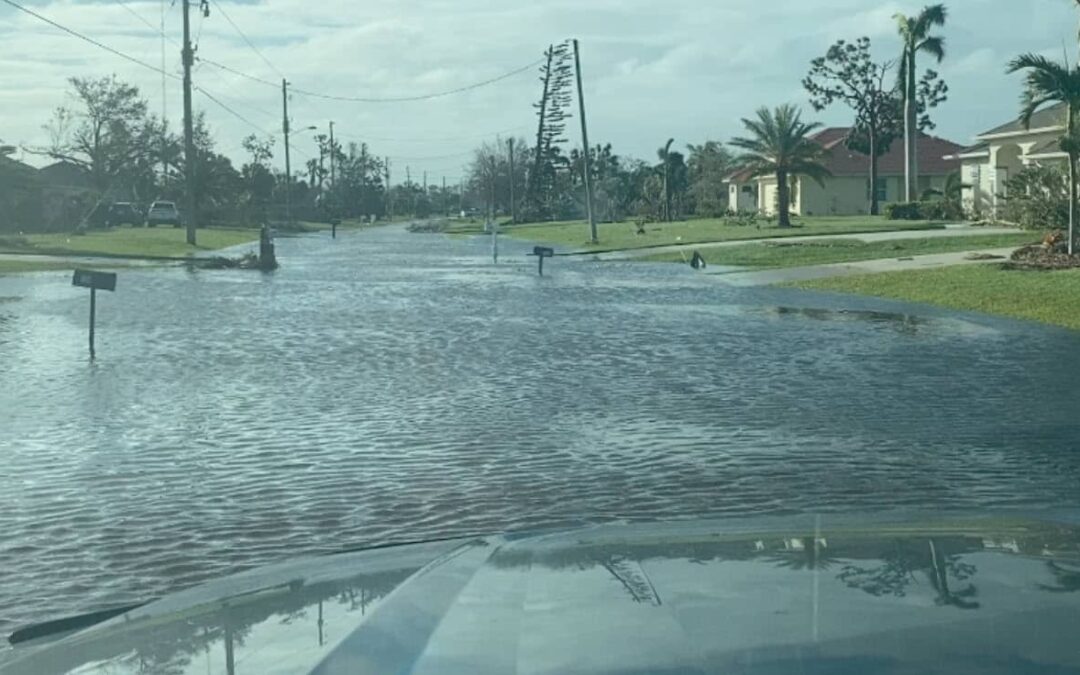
(163, 213)
(124, 213)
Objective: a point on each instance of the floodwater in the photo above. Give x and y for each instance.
(389, 386)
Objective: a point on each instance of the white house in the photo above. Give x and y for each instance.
(847, 191)
(1004, 151)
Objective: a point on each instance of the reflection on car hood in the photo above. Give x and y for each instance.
(972, 597)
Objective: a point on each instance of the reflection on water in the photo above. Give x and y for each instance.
(388, 386)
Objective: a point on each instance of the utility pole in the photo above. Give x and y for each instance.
(461, 195)
(445, 202)
(389, 194)
(513, 202)
(332, 175)
(585, 146)
(288, 166)
(188, 57)
(408, 188)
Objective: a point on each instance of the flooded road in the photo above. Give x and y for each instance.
(391, 387)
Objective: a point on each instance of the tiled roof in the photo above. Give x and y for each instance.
(1052, 116)
(740, 176)
(931, 152)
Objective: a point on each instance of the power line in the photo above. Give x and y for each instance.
(157, 30)
(245, 38)
(359, 99)
(423, 97)
(90, 40)
(475, 137)
(222, 66)
(132, 59)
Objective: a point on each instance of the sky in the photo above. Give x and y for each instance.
(682, 69)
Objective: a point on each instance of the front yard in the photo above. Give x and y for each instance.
(1049, 297)
(620, 236)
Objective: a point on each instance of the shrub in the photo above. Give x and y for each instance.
(936, 209)
(903, 211)
(1039, 198)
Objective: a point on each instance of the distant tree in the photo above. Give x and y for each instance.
(848, 74)
(106, 132)
(665, 167)
(1045, 82)
(556, 74)
(709, 165)
(779, 144)
(916, 37)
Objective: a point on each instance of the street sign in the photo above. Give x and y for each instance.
(105, 281)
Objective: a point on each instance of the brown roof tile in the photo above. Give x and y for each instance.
(845, 162)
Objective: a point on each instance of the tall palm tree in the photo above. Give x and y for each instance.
(1048, 81)
(664, 152)
(915, 33)
(780, 145)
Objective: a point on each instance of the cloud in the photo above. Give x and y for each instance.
(689, 68)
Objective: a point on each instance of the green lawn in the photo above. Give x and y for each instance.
(1050, 297)
(796, 254)
(126, 242)
(19, 266)
(616, 236)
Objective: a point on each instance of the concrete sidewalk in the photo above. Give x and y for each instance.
(867, 237)
(776, 276)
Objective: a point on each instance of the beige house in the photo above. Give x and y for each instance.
(742, 192)
(847, 192)
(1004, 151)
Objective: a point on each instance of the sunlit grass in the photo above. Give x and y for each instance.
(797, 254)
(1049, 297)
(148, 242)
(614, 236)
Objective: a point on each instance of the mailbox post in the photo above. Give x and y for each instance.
(106, 281)
(542, 252)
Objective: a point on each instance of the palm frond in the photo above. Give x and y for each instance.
(930, 16)
(934, 46)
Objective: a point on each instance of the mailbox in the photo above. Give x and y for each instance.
(105, 281)
(543, 251)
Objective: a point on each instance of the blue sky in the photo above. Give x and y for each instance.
(687, 69)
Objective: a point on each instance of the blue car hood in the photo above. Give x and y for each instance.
(979, 596)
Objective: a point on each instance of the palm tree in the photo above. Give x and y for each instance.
(780, 145)
(1051, 82)
(915, 33)
(663, 153)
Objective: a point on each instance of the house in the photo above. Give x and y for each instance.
(68, 194)
(847, 191)
(20, 195)
(742, 191)
(1004, 151)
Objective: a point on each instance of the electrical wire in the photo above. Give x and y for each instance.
(245, 39)
(90, 40)
(359, 99)
(132, 59)
(361, 137)
(422, 97)
(157, 30)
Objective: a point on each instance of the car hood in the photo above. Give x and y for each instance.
(978, 596)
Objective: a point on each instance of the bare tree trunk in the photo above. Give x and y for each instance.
(909, 126)
(875, 208)
(783, 199)
(1072, 201)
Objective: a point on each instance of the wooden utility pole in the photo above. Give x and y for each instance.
(288, 166)
(188, 57)
(513, 201)
(332, 153)
(444, 200)
(585, 146)
(389, 195)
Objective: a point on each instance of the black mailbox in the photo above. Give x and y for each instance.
(105, 281)
(543, 251)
